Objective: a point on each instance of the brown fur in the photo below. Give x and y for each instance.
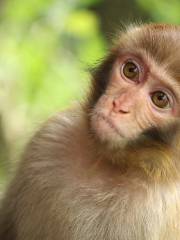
(71, 186)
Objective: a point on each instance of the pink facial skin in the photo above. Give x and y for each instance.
(126, 109)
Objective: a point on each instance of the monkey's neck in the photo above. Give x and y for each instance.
(156, 162)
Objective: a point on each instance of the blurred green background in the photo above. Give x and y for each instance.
(46, 47)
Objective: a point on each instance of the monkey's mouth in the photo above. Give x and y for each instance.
(110, 123)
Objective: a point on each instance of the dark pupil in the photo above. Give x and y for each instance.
(132, 69)
(161, 96)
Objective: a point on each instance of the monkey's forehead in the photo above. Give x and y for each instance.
(160, 41)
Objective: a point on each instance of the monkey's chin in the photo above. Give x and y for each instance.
(108, 133)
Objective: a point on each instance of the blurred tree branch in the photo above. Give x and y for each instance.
(115, 14)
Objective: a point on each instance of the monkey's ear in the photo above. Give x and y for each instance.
(100, 77)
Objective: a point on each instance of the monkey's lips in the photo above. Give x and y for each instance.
(107, 125)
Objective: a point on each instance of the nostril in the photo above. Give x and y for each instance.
(114, 104)
(123, 111)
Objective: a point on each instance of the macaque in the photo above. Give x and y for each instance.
(110, 169)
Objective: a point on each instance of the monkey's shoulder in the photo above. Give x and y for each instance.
(58, 140)
(60, 128)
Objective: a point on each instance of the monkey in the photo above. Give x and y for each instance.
(110, 168)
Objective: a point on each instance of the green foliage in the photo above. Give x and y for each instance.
(48, 41)
(162, 10)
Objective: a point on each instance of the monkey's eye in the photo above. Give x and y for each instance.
(131, 70)
(160, 99)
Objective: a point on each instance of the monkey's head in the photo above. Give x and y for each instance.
(137, 87)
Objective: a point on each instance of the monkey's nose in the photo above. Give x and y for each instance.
(119, 107)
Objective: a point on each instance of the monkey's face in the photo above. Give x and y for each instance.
(140, 94)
